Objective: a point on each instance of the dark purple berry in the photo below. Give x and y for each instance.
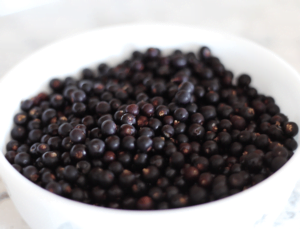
(290, 129)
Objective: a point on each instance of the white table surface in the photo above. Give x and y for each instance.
(272, 23)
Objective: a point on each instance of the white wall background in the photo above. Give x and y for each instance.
(272, 23)
(13, 6)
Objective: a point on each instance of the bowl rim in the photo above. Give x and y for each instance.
(45, 194)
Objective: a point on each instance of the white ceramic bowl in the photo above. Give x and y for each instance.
(43, 210)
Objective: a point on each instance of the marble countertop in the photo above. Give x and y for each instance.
(272, 23)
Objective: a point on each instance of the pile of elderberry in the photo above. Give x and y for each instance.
(153, 132)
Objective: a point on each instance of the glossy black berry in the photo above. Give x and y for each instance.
(140, 160)
(114, 192)
(182, 97)
(262, 141)
(191, 174)
(148, 109)
(238, 122)
(128, 143)
(49, 116)
(151, 174)
(47, 177)
(12, 145)
(31, 173)
(18, 133)
(216, 163)
(181, 114)
(247, 112)
(197, 195)
(64, 129)
(244, 80)
(212, 97)
(78, 96)
(196, 131)
(197, 118)
(210, 147)
(144, 143)
(98, 194)
(177, 160)
(208, 112)
(112, 142)
(245, 137)
(23, 159)
(27, 104)
(204, 53)
(163, 183)
(21, 119)
(126, 178)
(102, 108)
(290, 129)
(132, 109)
(71, 173)
(77, 135)
(128, 118)
(145, 203)
(125, 158)
(224, 139)
(78, 152)
(278, 162)
(10, 156)
(254, 162)
(116, 167)
(290, 144)
(108, 127)
(236, 180)
(54, 187)
(50, 159)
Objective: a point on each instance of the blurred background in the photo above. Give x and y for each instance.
(28, 25)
